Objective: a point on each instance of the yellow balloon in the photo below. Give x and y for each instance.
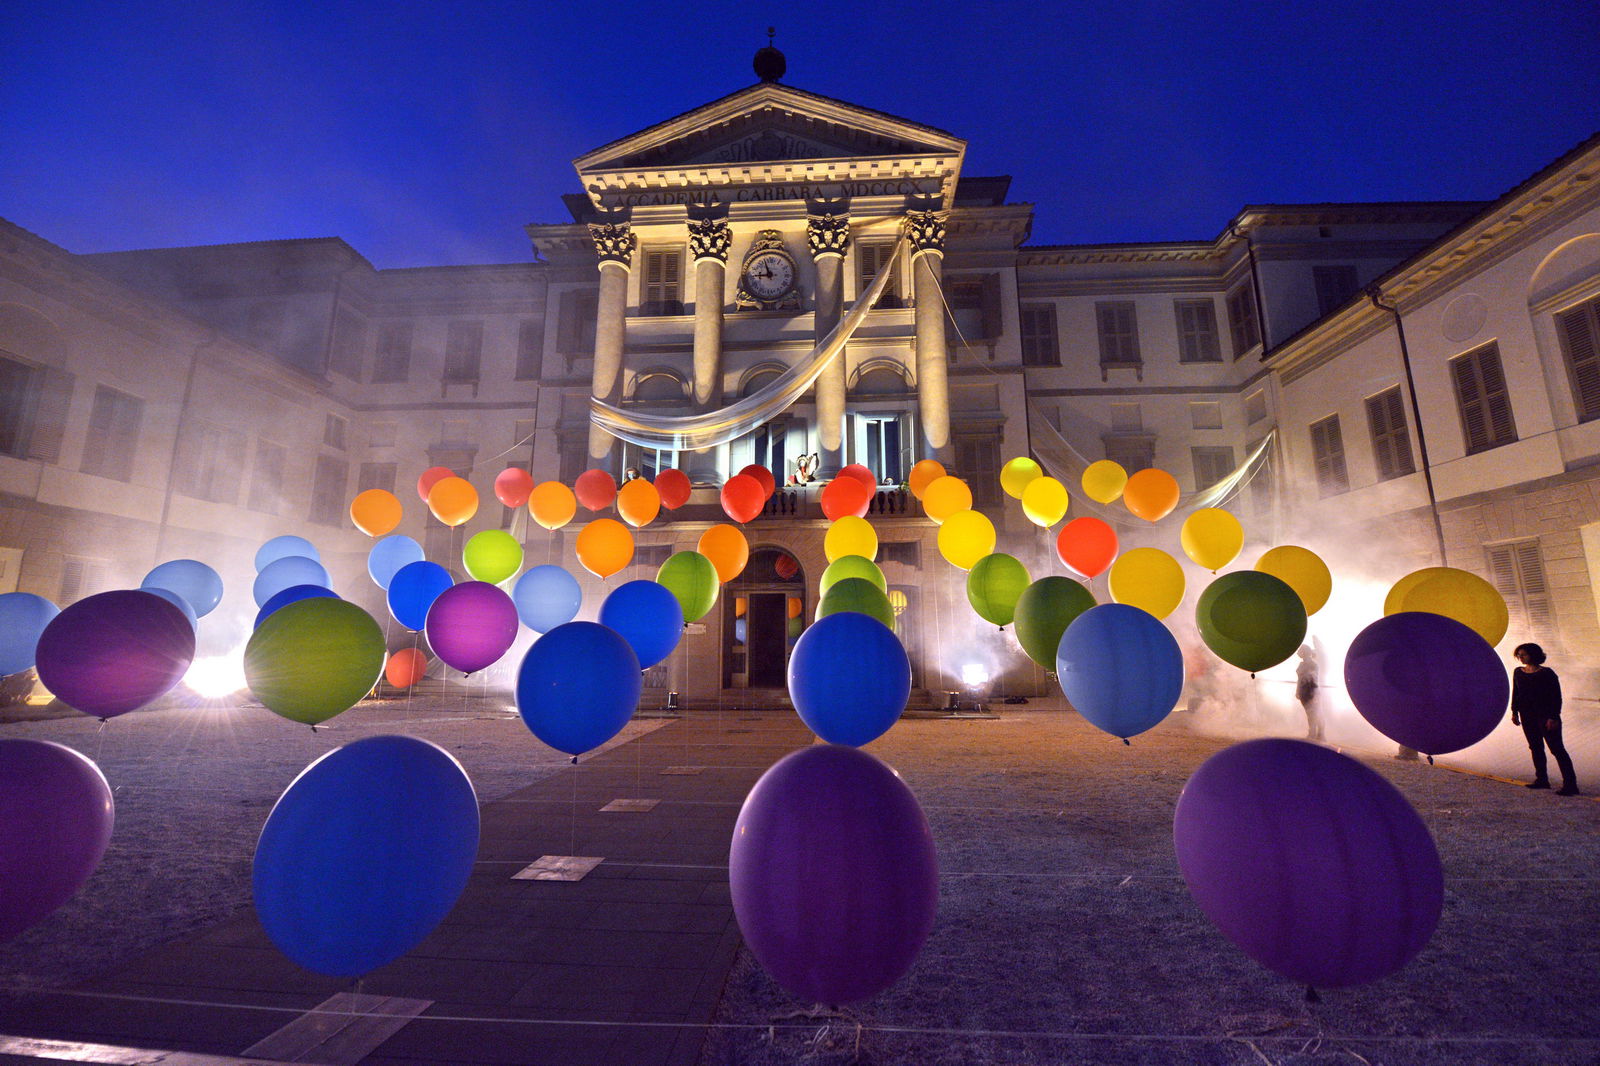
(638, 502)
(1044, 501)
(453, 500)
(965, 537)
(945, 496)
(1302, 570)
(1015, 475)
(1103, 481)
(604, 547)
(552, 504)
(850, 536)
(1211, 537)
(1147, 578)
(924, 474)
(375, 512)
(1458, 594)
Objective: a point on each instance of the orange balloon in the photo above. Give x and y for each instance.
(638, 502)
(375, 512)
(453, 500)
(727, 549)
(405, 668)
(1151, 494)
(740, 606)
(552, 504)
(945, 497)
(924, 474)
(794, 606)
(604, 547)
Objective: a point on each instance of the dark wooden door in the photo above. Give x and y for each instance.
(769, 617)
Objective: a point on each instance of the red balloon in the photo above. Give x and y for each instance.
(431, 477)
(861, 474)
(769, 484)
(1087, 545)
(595, 489)
(786, 566)
(846, 496)
(673, 487)
(742, 497)
(512, 486)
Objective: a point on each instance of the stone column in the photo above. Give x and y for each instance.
(925, 230)
(828, 236)
(614, 242)
(709, 241)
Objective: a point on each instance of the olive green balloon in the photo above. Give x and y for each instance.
(692, 578)
(1251, 619)
(492, 555)
(994, 585)
(314, 658)
(1044, 611)
(847, 566)
(859, 595)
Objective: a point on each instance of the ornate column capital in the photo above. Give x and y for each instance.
(615, 242)
(709, 238)
(827, 235)
(925, 231)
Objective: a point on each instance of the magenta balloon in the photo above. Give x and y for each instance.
(471, 625)
(833, 872)
(55, 822)
(1426, 681)
(1311, 863)
(111, 653)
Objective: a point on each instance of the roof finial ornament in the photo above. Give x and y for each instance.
(769, 63)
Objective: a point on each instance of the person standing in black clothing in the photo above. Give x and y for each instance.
(1536, 706)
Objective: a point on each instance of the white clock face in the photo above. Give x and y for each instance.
(769, 276)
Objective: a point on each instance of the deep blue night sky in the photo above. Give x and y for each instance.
(429, 133)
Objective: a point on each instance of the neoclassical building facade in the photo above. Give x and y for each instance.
(1426, 377)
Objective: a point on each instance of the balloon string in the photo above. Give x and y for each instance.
(572, 847)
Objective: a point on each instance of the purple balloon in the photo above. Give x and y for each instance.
(55, 822)
(471, 625)
(111, 653)
(833, 872)
(1311, 863)
(1426, 681)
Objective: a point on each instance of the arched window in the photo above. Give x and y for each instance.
(759, 377)
(660, 387)
(881, 379)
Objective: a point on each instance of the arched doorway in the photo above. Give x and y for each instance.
(764, 612)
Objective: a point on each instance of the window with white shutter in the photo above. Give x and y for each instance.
(463, 353)
(1579, 330)
(1335, 285)
(530, 349)
(1327, 452)
(1242, 322)
(1212, 463)
(1197, 331)
(663, 282)
(1040, 346)
(1391, 439)
(1517, 570)
(393, 360)
(1119, 333)
(113, 434)
(1481, 396)
(871, 257)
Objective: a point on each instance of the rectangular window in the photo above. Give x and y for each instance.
(1197, 331)
(654, 460)
(333, 428)
(904, 552)
(1255, 406)
(33, 409)
(977, 459)
(80, 577)
(1391, 439)
(393, 362)
(871, 257)
(1205, 414)
(1119, 333)
(1335, 285)
(1242, 321)
(530, 349)
(266, 477)
(1327, 454)
(208, 456)
(770, 448)
(1517, 570)
(328, 488)
(575, 325)
(113, 434)
(975, 307)
(663, 282)
(522, 439)
(883, 447)
(1579, 330)
(1132, 451)
(1126, 418)
(349, 333)
(463, 352)
(1040, 346)
(377, 476)
(573, 446)
(382, 434)
(1481, 396)
(1211, 465)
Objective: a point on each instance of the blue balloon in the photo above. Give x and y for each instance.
(849, 678)
(365, 853)
(190, 578)
(1120, 668)
(648, 616)
(282, 548)
(290, 595)
(547, 596)
(285, 573)
(578, 686)
(389, 555)
(741, 630)
(23, 617)
(177, 601)
(413, 591)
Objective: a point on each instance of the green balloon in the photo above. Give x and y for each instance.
(796, 626)
(1251, 619)
(492, 556)
(859, 595)
(692, 578)
(314, 658)
(993, 585)
(847, 566)
(1044, 611)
